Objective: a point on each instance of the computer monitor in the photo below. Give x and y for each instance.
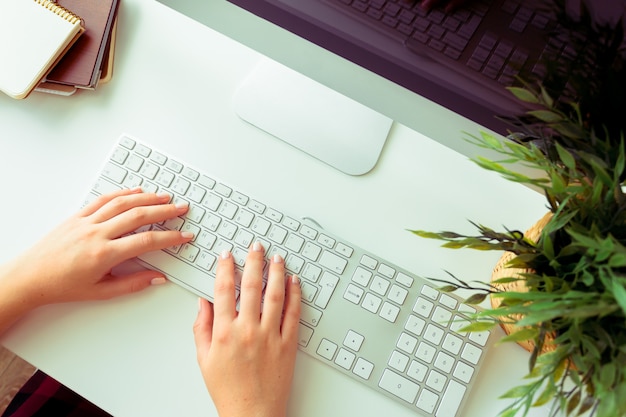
(433, 100)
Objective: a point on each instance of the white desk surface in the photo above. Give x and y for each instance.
(173, 81)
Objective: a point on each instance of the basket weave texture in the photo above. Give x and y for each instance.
(502, 271)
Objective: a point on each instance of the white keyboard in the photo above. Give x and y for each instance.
(365, 317)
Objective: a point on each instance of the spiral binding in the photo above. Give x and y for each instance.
(59, 10)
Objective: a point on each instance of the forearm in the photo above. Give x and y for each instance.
(15, 300)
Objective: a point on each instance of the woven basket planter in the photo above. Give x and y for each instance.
(501, 271)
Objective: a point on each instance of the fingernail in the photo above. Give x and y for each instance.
(158, 281)
(277, 258)
(187, 235)
(164, 196)
(257, 247)
(295, 280)
(225, 254)
(182, 205)
(137, 189)
(199, 304)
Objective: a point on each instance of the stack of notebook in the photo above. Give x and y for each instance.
(67, 45)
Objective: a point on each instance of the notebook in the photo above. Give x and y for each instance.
(106, 71)
(34, 34)
(81, 66)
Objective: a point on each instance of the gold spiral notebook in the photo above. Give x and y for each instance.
(34, 34)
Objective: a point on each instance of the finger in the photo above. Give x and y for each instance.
(95, 205)
(123, 203)
(203, 328)
(252, 284)
(131, 246)
(136, 217)
(291, 315)
(274, 300)
(224, 290)
(115, 286)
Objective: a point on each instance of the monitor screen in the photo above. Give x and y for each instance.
(406, 81)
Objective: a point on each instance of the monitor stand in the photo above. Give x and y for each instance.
(312, 117)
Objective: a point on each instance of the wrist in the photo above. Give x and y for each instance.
(18, 297)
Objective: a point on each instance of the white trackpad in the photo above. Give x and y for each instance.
(312, 117)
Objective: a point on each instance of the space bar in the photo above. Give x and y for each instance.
(180, 273)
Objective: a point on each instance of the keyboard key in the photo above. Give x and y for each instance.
(244, 218)
(308, 291)
(417, 371)
(427, 401)
(479, 337)
(397, 294)
(471, 353)
(327, 349)
(344, 250)
(119, 155)
(380, 285)
(311, 272)
(425, 352)
(415, 325)
(310, 315)
(398, 361)
(404, 279)
(436, 381)
(311, 251)
(363, 368)
(452, 344)
(407, 343)
(328, 283)
(333, 262)
(463, 372)
(103, 186)
(451, 399)
(430, 292)
(353, 340)
(444, 362)
(361, 276)
(326, 241)
(114, 173)
(389, 312)
(386, 271)
(308, 232)
(433, 334)
(127, 142)
(353, 294)
(423, 307)
(304, 335)
(206, 182)
(369, 262)
(399, 386)
(223, 190)
(371, 303)
(345, 358)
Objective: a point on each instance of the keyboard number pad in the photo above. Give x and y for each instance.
(433, 360)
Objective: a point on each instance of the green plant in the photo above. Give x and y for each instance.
(574, 276)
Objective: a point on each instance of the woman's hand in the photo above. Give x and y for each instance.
(247, 358)
(74, 261)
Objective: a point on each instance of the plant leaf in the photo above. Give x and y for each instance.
(520, 335)
(619, 293)
(523, 94)
(566, 157)
(476, 299)
(517, 392)
(478, 326)
(546, 116)
(547, 394)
